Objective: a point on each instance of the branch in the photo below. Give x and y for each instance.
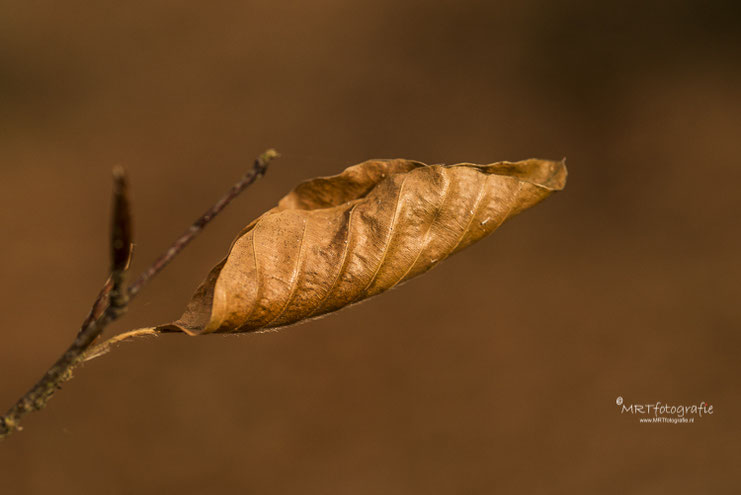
(113, 299)
(258, 170)
(121, 244)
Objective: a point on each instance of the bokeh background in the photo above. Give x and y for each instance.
(496, 372)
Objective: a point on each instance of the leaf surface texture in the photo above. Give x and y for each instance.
(334, 241)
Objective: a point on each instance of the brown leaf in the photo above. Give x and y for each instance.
(334, 241)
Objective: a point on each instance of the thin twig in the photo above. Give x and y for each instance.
(99, 305)
(121, 244)
(100, 315)
(114, 297)
(258, 170)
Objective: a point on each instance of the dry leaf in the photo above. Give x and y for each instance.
(334, 241)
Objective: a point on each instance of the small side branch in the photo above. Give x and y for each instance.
(113, 299)
(121, 244)
(258, 170)
(100, 315)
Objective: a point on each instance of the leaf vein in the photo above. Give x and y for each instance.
(389, 238)
(427, 233)
(294, 279)
(470, 221)
(342, 265)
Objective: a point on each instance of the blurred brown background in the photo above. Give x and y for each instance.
(497, 371)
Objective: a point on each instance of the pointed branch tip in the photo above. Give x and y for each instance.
(269, 154)
(119, 175)
(121, 230)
